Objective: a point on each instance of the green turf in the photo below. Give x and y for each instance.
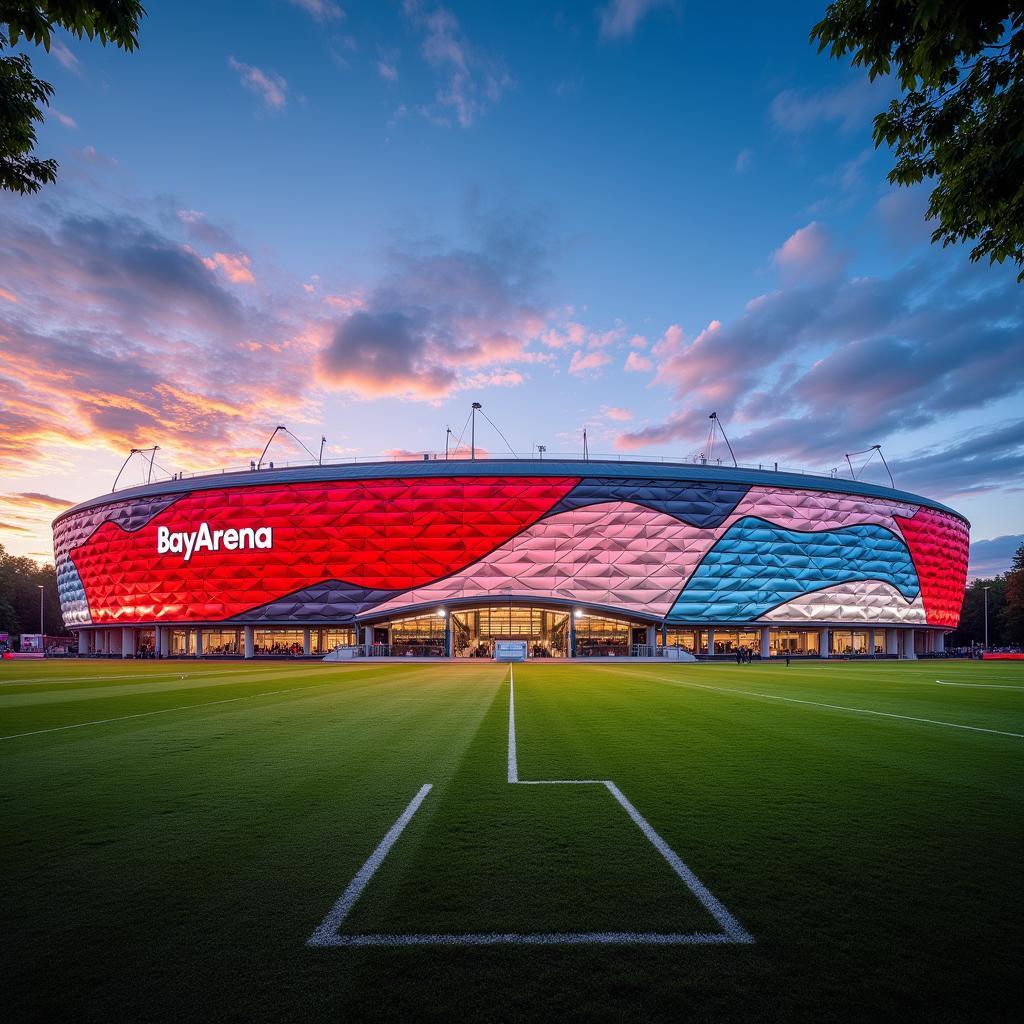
(173, 865)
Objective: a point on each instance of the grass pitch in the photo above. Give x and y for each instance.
(173, 833)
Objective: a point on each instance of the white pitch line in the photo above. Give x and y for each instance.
(714, 906)
(980, 686)
(162, 711)
(326, 933)
(534, 939)
(513, 766)
(841, 707)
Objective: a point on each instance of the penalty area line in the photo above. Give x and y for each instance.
(328, 933)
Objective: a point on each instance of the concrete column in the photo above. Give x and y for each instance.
(572, 634)
(307, 646)
(127, 642)
(652, 637)
(940, 643)
(199, 643)
(892, 642)
(158, 636)
(247, 641)
(449, 640)
(908, 651)
(823, 642)
(711, 642)
(766, 650)
(871, 643)
(664, 635)
(83, 642)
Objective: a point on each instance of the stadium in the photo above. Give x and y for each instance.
(578, 558)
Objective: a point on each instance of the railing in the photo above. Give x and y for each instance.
(360, 460)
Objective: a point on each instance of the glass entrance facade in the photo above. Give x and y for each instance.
(546, 631)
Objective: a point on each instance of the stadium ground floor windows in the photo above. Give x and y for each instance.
(857, 641)
(799, 642)
(475, 630)
(419, 636)
(604, 635)
(219, 642)
(565, 632)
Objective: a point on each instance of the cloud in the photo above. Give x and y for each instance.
(378, 354)
(744, 159)
(268, 85)
(614, 412)
(849, 106)
(637, 363)
(12, 528)
(829, 364)
(68, 122)
(387, 66)
(619, 18)
(902, 215)
(572, 334)
(35, 500)
(993, 557)
(471, 81)
(808, 253)
(235, 267)
(66, 57)
(320, 10)
(8, 296)
(585, 362)
(90, 155)
(442, 313)
(124, 336)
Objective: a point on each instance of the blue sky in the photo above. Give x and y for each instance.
(358, 218)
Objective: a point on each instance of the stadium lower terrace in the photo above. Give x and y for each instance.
(580, 559)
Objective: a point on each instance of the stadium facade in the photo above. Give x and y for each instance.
(578, 558)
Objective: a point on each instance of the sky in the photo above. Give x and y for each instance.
(355, 219)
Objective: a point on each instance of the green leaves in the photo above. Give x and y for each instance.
(22, 95)
(960, 122)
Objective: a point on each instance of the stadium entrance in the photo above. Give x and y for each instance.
(545, 631)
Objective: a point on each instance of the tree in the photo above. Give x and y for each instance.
(1012, 617)
(960, 120)
(22, 95)
(971, 627)
(20, 579)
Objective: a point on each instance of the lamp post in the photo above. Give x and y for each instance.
(986, 616)
(40, 612)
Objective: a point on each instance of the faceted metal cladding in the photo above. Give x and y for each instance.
(673, 544)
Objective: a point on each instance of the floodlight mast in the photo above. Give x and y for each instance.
(137, 451)
(472, 430)
(714, 416)
(878, 448)
(277, 429)
(323, 441)
(447, 438)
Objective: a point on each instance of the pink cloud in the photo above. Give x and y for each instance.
(268, 85)
(636, 363)
(585, 362)
(614, 412)
(574, 334)
(234, 267)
